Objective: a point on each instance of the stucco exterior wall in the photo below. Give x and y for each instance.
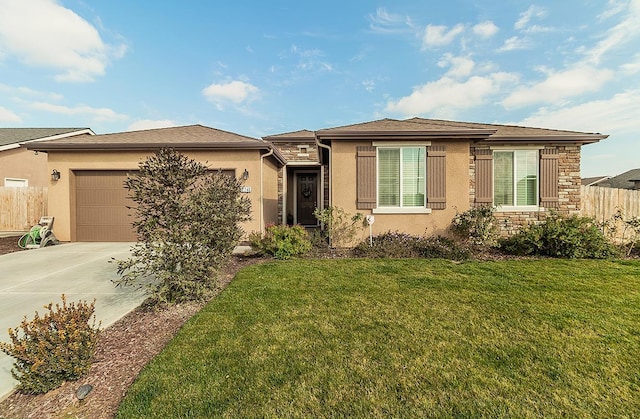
(62, 202)
(343, 190)
(20, 163)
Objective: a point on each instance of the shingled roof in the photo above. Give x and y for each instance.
(301, 135)
(435, 128)
(13, 137)
(190, 137)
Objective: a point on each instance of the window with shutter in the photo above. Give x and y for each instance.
(516, 179)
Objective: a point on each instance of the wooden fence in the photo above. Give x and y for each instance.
(603, 204)
(21, 208)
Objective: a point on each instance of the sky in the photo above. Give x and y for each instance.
(260, 68)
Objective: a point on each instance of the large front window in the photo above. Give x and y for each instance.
(401, 177)
(515, 178)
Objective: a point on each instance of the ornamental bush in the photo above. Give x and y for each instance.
(403, 245)
(561, 237)
(281, 241)
(54, 348)
(476, 226)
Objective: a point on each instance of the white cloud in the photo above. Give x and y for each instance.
(485, 29)
(43, 33)
(514, 43)
(8, 116)
(369, 85)
(525, 17)
(458, 66)
(235, 91)
(615, 7)
(446, 96)
(628, 30)
(440, 35)
(26, 91)
(385, 22)
(97, 114)
(616, 115)
(144, 124)
(559, 86)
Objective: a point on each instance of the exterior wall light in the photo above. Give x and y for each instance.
(245, 174)
(55, 175)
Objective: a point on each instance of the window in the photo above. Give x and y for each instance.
(401, 177)
(515, 178)
(15, 183)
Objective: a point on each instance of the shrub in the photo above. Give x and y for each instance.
(476, 226)
(54, 348)
(281, 241)
(564, 237)
(187, 222)
(402, 245)
(340, 227)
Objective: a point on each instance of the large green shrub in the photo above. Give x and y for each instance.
(281, 241)
(54, 348)
(403, 245)
(188, 223)
(476, 226)
(563, 237)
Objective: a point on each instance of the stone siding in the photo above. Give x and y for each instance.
(569, 196)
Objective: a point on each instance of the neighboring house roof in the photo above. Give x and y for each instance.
(13, 137)
(302, 135)
(191, 137)
(626, 180)
(593, 181)
(434, 128)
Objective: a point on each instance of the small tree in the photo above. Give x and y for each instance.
(341, 228)
(187, 223)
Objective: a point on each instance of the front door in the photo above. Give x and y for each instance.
(307, 198)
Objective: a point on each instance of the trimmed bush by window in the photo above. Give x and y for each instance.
(562, 237)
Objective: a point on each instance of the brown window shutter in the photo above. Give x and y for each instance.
(549, 178)
(366, 177)
(436, 177)
(484, 177)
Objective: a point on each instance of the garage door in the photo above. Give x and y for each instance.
(101, 207)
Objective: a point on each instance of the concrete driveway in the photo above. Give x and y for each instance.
(32, 279)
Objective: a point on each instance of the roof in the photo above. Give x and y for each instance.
(435, 128)
(625, 180)
(190, 137)
(301, 135)
(13, 137)
(593, 181)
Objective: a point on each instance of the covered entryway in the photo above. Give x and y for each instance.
(307, 198)
(101, 207)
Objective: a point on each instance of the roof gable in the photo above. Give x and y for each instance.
(301, 135)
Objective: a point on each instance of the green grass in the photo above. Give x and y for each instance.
(406, 338)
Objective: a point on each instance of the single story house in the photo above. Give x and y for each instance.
(89, 200)
(20, 167)
(627, 180)
(412, 175)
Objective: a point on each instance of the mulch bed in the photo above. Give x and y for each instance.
(123, 350)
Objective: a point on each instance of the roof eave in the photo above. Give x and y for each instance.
(571, 139)
(475, 134)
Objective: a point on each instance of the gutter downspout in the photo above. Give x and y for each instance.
(326, 147)
(262, 156)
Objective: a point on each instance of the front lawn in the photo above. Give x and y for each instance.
(406, 338)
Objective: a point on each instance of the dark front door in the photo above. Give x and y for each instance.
(307, 198)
